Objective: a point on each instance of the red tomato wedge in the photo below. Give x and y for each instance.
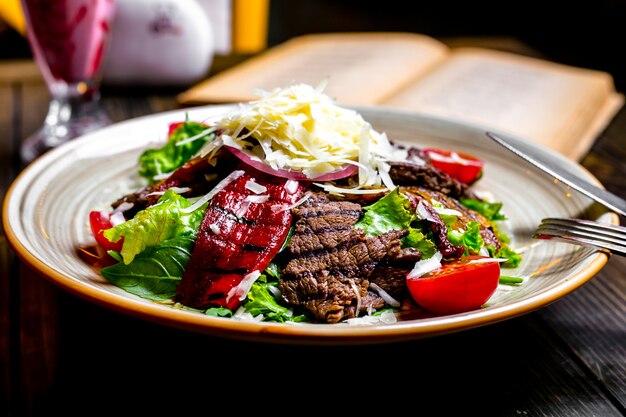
(457, 286)
(461, 166)
(99, 221)
(173, 126)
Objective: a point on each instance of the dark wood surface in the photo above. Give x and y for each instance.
(61, 355)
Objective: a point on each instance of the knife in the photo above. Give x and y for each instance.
(552, 166)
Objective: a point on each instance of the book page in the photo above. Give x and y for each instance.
(556, 105)
(360, 68)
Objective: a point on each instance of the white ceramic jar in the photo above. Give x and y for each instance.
(158, 42)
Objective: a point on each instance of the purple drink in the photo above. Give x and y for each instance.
(68, 37)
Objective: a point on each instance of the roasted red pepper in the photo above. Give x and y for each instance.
(238, 236)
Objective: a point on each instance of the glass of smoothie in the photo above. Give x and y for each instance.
(68, 39)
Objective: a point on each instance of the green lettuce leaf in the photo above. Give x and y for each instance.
(470, 238)
(219, 312)
(416, 239)
(156, 224)
(154, 273)
(513, 258)
(171, 156)
(261, 301)
(393, 212)
(490, 210)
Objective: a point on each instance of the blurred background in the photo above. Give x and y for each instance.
(585, 34)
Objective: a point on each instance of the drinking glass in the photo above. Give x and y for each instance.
(68, 39)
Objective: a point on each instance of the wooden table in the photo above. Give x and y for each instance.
(61, 354)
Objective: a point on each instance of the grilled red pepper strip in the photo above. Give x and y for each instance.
(238, 236)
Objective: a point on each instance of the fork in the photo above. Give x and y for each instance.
(606, 237)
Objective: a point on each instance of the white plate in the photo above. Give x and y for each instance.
(46, 210)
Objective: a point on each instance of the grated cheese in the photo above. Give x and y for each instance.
(276, 208)
(384, 295)
(255, 187)
(241, 290)
(425, 266)
(230, 178)
(299, 128)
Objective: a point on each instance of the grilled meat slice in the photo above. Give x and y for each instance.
(332, 260)
(426, 176)
(238, 236)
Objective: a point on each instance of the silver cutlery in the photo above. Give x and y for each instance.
(605, 237)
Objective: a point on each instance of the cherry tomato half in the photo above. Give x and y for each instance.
(99, 221)
(461, 166)
(457, 286)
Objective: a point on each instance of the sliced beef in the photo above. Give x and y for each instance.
(331, 260)
(426, 176)
(390, 274)
(391, 277)
(324, 224)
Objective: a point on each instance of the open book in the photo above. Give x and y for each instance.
(560, 106)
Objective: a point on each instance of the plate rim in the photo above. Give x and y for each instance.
(305, 333)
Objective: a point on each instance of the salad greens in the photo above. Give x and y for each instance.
(393, 212)
(156, 161)
(155, 272)
(160, 222)
(261, 300)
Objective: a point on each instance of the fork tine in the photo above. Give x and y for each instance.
(616, 231)
(570, 235)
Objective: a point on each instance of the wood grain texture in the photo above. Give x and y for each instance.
(592, 323)
(8, 281)
(592, 320)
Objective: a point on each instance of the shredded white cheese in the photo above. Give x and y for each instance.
(202, 134)
(284, 207)
(384, 295)
(255, 187)
(177, 190)
(241, 290)
(257, 199)
(125, 206)
(291, 186)
(301, 129)
(357, 293)
(219, 187)
(386, 317)
(425, 266)
(487, 260)
(117, 218)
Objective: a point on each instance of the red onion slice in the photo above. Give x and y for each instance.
(343, 172)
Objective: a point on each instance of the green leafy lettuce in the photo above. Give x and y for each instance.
(490, 210)
(470, 238)
(261, 300)
(156, 161)
(158, 223)
(513, 258)
(393, 212)
(154, 273)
